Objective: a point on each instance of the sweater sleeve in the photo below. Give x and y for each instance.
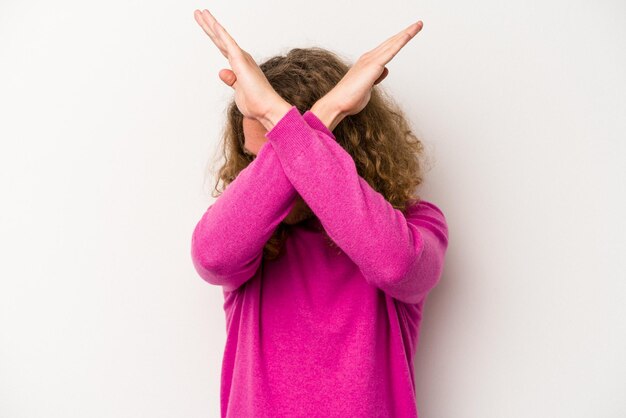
(403, 255)
(227, 242)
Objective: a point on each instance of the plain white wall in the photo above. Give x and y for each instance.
(109, 113)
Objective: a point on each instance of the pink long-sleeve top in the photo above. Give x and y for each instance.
(321, 331)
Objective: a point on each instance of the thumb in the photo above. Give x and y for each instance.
(228, 76)
(382, 76)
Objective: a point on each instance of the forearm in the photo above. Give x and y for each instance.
(228, 240)
(325, 109)
(402, 255)
(327, 112)
(275, 112)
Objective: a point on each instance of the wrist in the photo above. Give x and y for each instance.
(275, 113)
(327, 112)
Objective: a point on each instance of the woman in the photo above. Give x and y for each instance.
(324, 253)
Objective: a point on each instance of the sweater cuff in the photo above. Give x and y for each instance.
(291, 134)
(315, 123)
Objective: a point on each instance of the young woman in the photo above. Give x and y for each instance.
(323, 251)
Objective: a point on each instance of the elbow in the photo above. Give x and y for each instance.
(424, 273)
(393, 273)
(221, 268)
(213, 258)
(206, 262)
(404, 270)
(415, 278)
(205, 270)
(415, 271)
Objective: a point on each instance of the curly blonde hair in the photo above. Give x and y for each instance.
(386, 152)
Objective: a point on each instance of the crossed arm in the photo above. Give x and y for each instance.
(400, 253)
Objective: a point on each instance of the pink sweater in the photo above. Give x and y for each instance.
(321, 331)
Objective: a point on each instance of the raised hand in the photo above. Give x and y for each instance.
(353, 91)
(254, 95)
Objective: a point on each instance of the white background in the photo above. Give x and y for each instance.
(110, 113)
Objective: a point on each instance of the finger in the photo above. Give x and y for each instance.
(412, 30)
(232, 48)
(382, 76)
(227, 76)
(197, 14)
(207, 21)
(387, 53)
(202, 21)
(387, 41)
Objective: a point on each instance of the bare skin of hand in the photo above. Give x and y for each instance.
(353, 91)
(256, 98)
(254, 95)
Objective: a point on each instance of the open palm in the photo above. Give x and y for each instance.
(254, 95)
(353, 91)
